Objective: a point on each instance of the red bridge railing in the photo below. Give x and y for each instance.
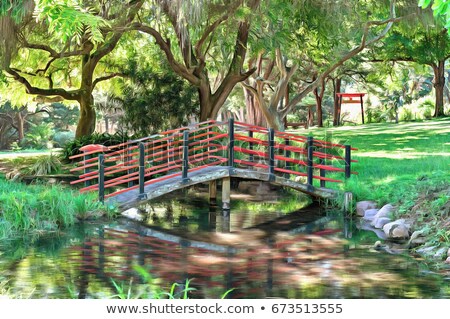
(176, 153)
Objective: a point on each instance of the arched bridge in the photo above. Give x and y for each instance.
(152, 166)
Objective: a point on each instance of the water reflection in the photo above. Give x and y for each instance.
(299, 255)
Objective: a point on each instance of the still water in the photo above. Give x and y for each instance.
(270, 249)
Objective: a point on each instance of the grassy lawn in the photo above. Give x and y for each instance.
(406, 164)
(395, 158)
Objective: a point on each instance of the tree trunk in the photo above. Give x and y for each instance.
(310, 120)
(439, 84)
(20, 126)
(319, 107)
(254, 115)
(337, 112)
(86, 122)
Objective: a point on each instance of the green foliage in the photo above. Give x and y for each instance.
(73, 147)
(45, 165)
(71, 19)
(440, 8)
(61, 138)
(38, 137)
(155, 98)
(40, 208)
(62, 116)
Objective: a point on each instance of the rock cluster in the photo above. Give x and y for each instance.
(382, 219)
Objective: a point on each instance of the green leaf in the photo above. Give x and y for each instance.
(424, 3)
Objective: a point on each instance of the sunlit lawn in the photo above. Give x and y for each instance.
(394, 158)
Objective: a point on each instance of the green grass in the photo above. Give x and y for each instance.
(26, 209)
(393, 158)
(400, 164)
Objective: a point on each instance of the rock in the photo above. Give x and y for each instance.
(440, 254)
(426, 251)
(300, 179)
(370, 214)
(396, 229)
(417, 238)
(385, 211)
(362, 206)
(133, 213)
(378, 245)
(447, 260)
(380, 222)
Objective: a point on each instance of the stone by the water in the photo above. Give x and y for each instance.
(396, 229)
(370, 214)
(362, 206)
(380, 222)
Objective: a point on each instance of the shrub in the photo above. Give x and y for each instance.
(406, 114)
(61, 138)
(44, 165)
(38, 137)
(427, 108)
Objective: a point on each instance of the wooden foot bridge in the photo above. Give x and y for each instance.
(146, 168)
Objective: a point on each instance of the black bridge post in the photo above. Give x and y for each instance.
(271, 154)
(309, 162)
(231, 142)
(348, 161)
(287, 153)
(250, 146)
(101, 177)
(142, 194)
(322, 172)
(185, 166)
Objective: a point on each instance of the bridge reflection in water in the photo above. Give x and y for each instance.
(255, 264)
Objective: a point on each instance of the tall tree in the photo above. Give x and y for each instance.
(188, 31)
(426, 44)
(58, 53)
(371, 32)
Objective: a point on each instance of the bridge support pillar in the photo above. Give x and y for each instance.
(212, 192)
(226, 194)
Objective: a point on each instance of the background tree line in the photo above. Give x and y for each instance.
(159, 63)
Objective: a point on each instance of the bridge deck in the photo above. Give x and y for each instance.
(157, 189)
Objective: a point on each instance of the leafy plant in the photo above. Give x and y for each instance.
(38, 137)
(61, 138)
(39, 208)
(45, 165)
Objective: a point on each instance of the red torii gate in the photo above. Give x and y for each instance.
(350, 99)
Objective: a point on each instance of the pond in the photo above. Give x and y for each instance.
(269, 248)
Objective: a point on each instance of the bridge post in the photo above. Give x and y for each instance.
(212, 192)
(142, 194)
(348, 161)
(226, 194)
(250, 146)
(309, 162)
(101, 178)
(185, 166)
(287, 153)
(322, 172)
(271, 154)
(231, 142)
